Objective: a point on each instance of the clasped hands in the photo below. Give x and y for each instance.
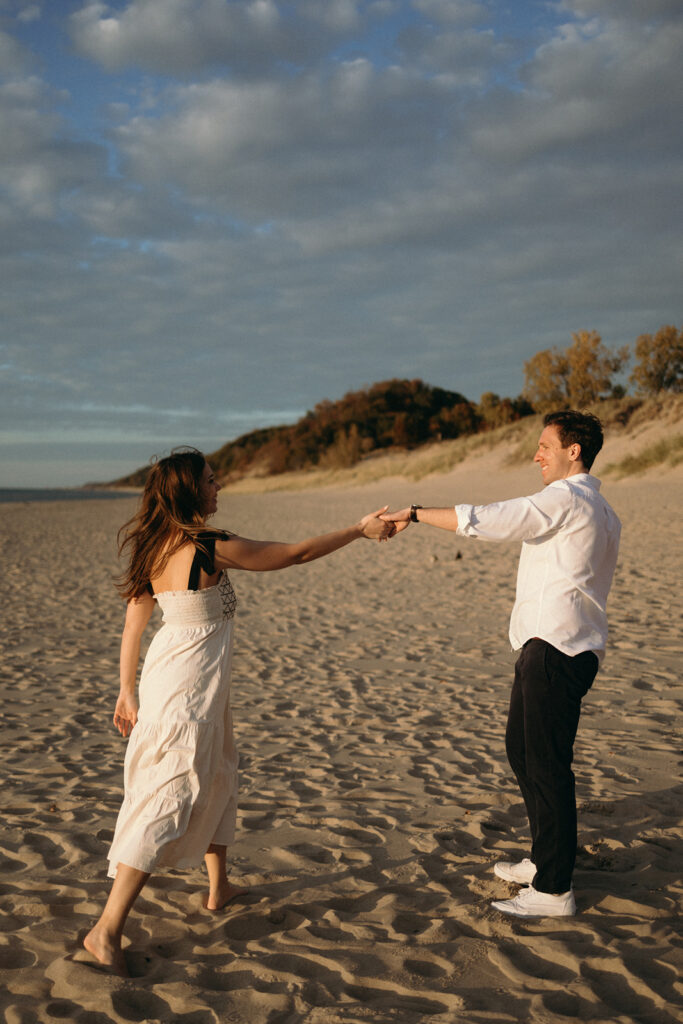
(383, 525)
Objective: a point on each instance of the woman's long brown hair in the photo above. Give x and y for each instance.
(170, 515)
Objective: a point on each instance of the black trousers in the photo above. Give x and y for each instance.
(545, 705)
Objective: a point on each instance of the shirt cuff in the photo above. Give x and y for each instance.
(465, 526)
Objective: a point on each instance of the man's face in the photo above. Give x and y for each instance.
(556, 462)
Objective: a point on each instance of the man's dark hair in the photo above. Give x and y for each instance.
(580, 428)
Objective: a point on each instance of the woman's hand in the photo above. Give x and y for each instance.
(374, 528)
(399, 520)
(126, 713)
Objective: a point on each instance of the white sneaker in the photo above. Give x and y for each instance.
(531, 903)
(522, 873)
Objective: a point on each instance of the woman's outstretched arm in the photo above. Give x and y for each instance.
(138, 613)
(265, 555)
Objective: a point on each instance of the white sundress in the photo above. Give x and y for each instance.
(180, 770)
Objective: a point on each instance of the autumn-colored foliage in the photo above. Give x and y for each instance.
(494, 411)
(394, 413)
(575, 378)
(660, 362)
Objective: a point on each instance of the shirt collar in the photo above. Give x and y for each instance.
(584, 479)
(587, 479)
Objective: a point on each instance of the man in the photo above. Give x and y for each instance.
(570, 538)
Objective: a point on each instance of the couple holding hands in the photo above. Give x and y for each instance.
(180, 772)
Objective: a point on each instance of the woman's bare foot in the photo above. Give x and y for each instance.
(224, 894)
(106, 949)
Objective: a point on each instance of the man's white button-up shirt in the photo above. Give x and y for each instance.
(570, 541)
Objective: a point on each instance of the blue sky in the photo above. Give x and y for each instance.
(216, 214)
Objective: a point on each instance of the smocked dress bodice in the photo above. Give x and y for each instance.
(198, 607)
(195, 607)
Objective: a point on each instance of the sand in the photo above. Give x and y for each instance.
(370, 691)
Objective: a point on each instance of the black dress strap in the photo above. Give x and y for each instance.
(204, 556)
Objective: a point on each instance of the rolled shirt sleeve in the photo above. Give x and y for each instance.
(517, 518)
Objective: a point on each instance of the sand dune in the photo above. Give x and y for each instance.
(370, 692)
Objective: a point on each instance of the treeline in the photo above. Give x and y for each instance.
(390, 414)
(409, 413)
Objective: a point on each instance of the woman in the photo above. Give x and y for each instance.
(180, 770)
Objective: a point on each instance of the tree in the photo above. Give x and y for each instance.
(454, 422)
(591, 368)
(345, 451)
(494, 411)
(660, 362)
(545, 380)
(577, 377)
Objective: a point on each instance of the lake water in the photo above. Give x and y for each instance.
(28, 494)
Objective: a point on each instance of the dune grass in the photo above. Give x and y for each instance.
(439, 457)
(668, 451)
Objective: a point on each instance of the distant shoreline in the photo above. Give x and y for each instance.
(27, 495)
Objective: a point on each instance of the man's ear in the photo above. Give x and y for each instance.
(575, 452)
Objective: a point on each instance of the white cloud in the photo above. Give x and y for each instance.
(342, 16)
(631, 11)
(115, 210)
(32, 12)
(14, 58)
(182, 36)
(267, 149)
(607, 85)
(452, 12)
(458, 58)
(37, 165)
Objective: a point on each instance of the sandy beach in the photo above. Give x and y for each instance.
(370, 692)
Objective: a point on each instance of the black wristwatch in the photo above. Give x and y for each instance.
(413, 513)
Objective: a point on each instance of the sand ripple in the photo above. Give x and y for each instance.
(370, 694)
